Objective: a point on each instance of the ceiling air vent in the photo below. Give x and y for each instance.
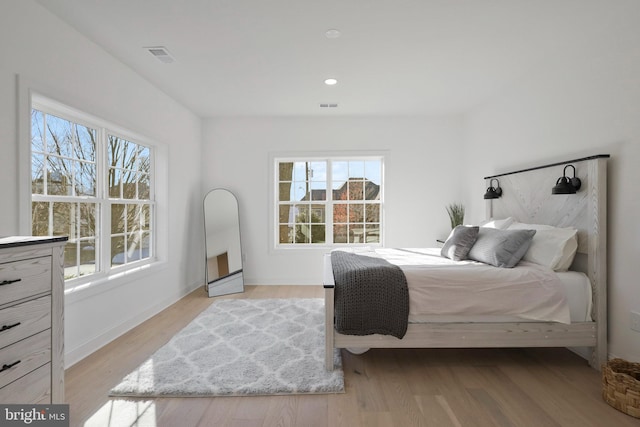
(161, 53)
(328, 105)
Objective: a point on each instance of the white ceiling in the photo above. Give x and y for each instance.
(394, 57)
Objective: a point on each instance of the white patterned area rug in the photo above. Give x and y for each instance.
(242, 347)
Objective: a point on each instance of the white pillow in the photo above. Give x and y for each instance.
(500, 224)
(553, 247)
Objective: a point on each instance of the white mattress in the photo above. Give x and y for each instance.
(525, 293)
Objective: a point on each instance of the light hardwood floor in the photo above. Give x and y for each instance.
(421, 387)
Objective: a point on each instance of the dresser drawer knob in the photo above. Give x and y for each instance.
(7, 327)
(7, 367)
(8, 282)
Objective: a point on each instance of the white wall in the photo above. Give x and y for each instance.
(57, 61)
(422, 175)
(580, 101)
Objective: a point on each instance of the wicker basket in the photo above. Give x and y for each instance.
(621, 386)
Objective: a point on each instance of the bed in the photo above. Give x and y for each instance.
(579, 323)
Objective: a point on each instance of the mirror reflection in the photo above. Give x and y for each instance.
(222, 243)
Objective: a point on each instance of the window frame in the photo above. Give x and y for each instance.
(105, 270)
(329, 157)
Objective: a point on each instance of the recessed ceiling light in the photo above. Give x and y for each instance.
(332, 34)
(330, 82)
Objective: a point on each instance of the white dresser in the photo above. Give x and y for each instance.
(31, 319)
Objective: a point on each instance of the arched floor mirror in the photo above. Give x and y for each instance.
(223, 269)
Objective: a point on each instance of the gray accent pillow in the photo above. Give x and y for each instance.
(459, 242)
(501, 248)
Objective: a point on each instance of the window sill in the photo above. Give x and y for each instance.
(95, 286)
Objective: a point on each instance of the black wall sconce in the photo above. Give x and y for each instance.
(493, 192)
(566, 185)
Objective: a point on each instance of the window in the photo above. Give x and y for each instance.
(94, 185)
(325, 201)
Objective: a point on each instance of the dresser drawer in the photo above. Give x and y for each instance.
(22, 279)
(33, 388)
(25, 319)
(24, 356)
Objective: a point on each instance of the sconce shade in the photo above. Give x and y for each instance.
(493, 192)
(566, 185)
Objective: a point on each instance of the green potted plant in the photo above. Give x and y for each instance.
(456, 214)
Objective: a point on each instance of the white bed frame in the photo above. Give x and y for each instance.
(526, 197)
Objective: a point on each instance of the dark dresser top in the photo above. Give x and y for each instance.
(15, 241)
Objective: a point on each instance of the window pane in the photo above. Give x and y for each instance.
(58, 176)
(146, 245)
(340, 171)
(145, 217)
(285, 171)
(340, 190)
(37, 131)
(356, 169)
(285, 192)
(356, 233)
(372, 213)
(144, 159)
(317, 214)
(143, 187)
(356, 213)
(86, 146)
(300, 171)
(284, 213)
(318, 171)
(340, 233)
(71, 260)
(371, 191)
(303, 234)
(87, 219)
(85, 184)
(134, 247)
(133, 218)
(319, 190)
(87, 257)
(372, 234)
(117, 250)
(118, 218)
(37, 174)
(59, 136)
(40, 219)
(373, 171)
(318, 233)
(115, 183)
(302, 214)
(356, 190)
(129, 188)
(340, 213)
(300, 191)
(64, 219)
(285, 234)
(121, 153)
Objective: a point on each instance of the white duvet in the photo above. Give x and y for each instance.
(442, 287)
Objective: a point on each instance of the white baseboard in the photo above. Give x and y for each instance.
(73, 356)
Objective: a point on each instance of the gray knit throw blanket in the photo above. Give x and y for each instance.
(371, 295)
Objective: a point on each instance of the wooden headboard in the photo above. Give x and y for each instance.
(526, 196)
